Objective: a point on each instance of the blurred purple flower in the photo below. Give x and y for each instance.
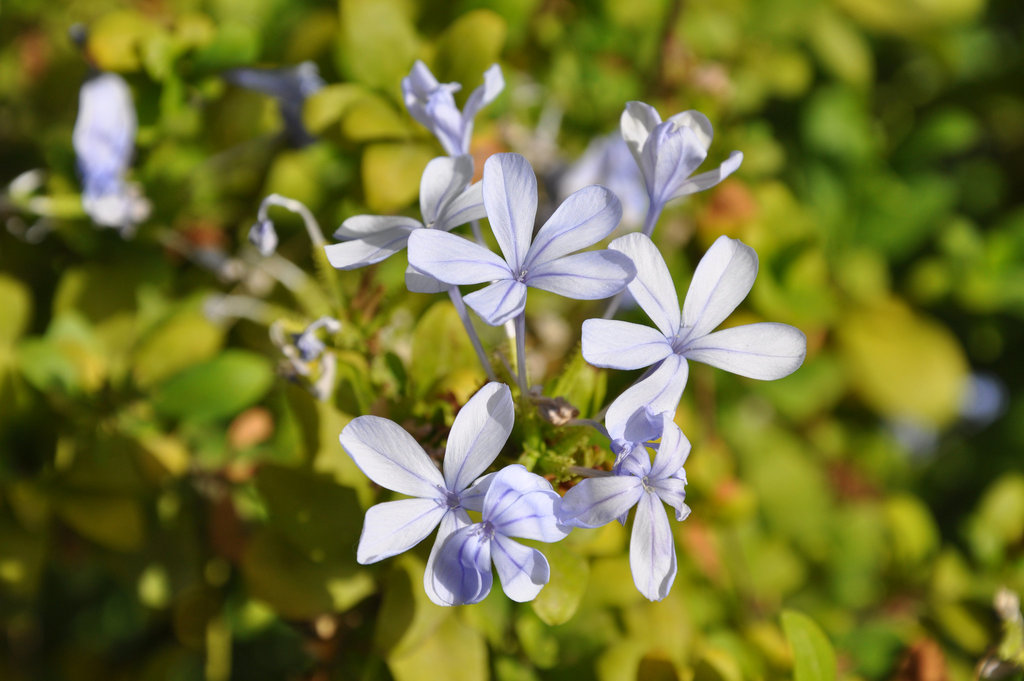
(392, 458)
(517, 504)
(290, 86)
(607, 161)
(433, 105)
(104, 141)
(637, 482)
(544, 262)
(723, 277)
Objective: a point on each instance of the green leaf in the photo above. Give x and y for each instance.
(455, 652)
(813, 656)
(15, 309)
(218, 388)
(468, 47)
(560, 598)
(440, 347)
(407, 616)
(391, 174)
(115, 522)
(184, 339)
(915, 537)
(378, 42)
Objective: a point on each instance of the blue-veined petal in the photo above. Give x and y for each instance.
(523, 571)
(480, 430)
(510, 196)
(443, 179)
(364, 225)
(522, 504)
(462, 567)
(584, 276)
(614, 344)
(652, 288)
(720, 283)
(453, 259)
(636, 123)
(420, 282)
(766, 350)
(658, 392)
(473, 498)
(699, 183)
(455, 519)
(396, 526)
(367, 250)
(391, 457)
(672, 451)
(494, 83)
(652, 551)
(673, 492)
(467, 206)
(499, 302)
(583, 219)
(670, 156)
(698, 123)
(594, 502)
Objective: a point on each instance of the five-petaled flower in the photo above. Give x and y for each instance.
(393, 459)
(637, 482)
(510, 199)
(724, 276)
(433, 105)
(668, 152)
(447, 200)
(517, 504)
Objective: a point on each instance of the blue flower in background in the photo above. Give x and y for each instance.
(669, 152)
(517, 504)
(290, 86)
(637, 482)
(544, 261)
(724, 276)
(607, 161)
(433, 105)
(447, 200)
(394, 460)
(104, 141)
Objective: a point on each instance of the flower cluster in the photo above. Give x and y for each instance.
(650, 449)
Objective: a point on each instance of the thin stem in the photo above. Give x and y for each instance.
(477, 232)
(460, 309)
(524, 387)
(316, 235)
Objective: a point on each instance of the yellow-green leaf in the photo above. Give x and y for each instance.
(813, 656)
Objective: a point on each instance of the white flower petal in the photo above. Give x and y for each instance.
(443, 179)
(391, 457)
(499, 302)
(523, 571)
(720, 283)
(419, 282)
(652, 550)
(583, 219)
(454, 259)
(455, 519)
(652, 288)
(367, 250)
(669, 157)
(699, 183)
(584, 276)
(364, 225)
(636, 123)
(522, 504)
(673, 492)
(462, 567)
(480, 430)
(494, 83)
(672, 451)
(464, 208)
(473, 498)
(766, 350)
(698, 123)
(615, 344)
(510, 196)
(594, 502)
(396, 526)
(659, 392)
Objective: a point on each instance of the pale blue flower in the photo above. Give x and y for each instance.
(392, 458)
(669, 152)
(307, 355)
(447, 200)
(544, 261)
(723, 277)
(517, 504)
(637, 482)
(433, 105)
(290, 86)
(104, 141)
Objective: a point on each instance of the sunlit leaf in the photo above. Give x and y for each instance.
(813, 656)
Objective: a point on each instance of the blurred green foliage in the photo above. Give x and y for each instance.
(171, 507)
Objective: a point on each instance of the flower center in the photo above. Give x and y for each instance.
(487, 529)
(521, 277)
(449, 499)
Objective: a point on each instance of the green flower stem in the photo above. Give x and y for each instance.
(460, 309)
(524, 387)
